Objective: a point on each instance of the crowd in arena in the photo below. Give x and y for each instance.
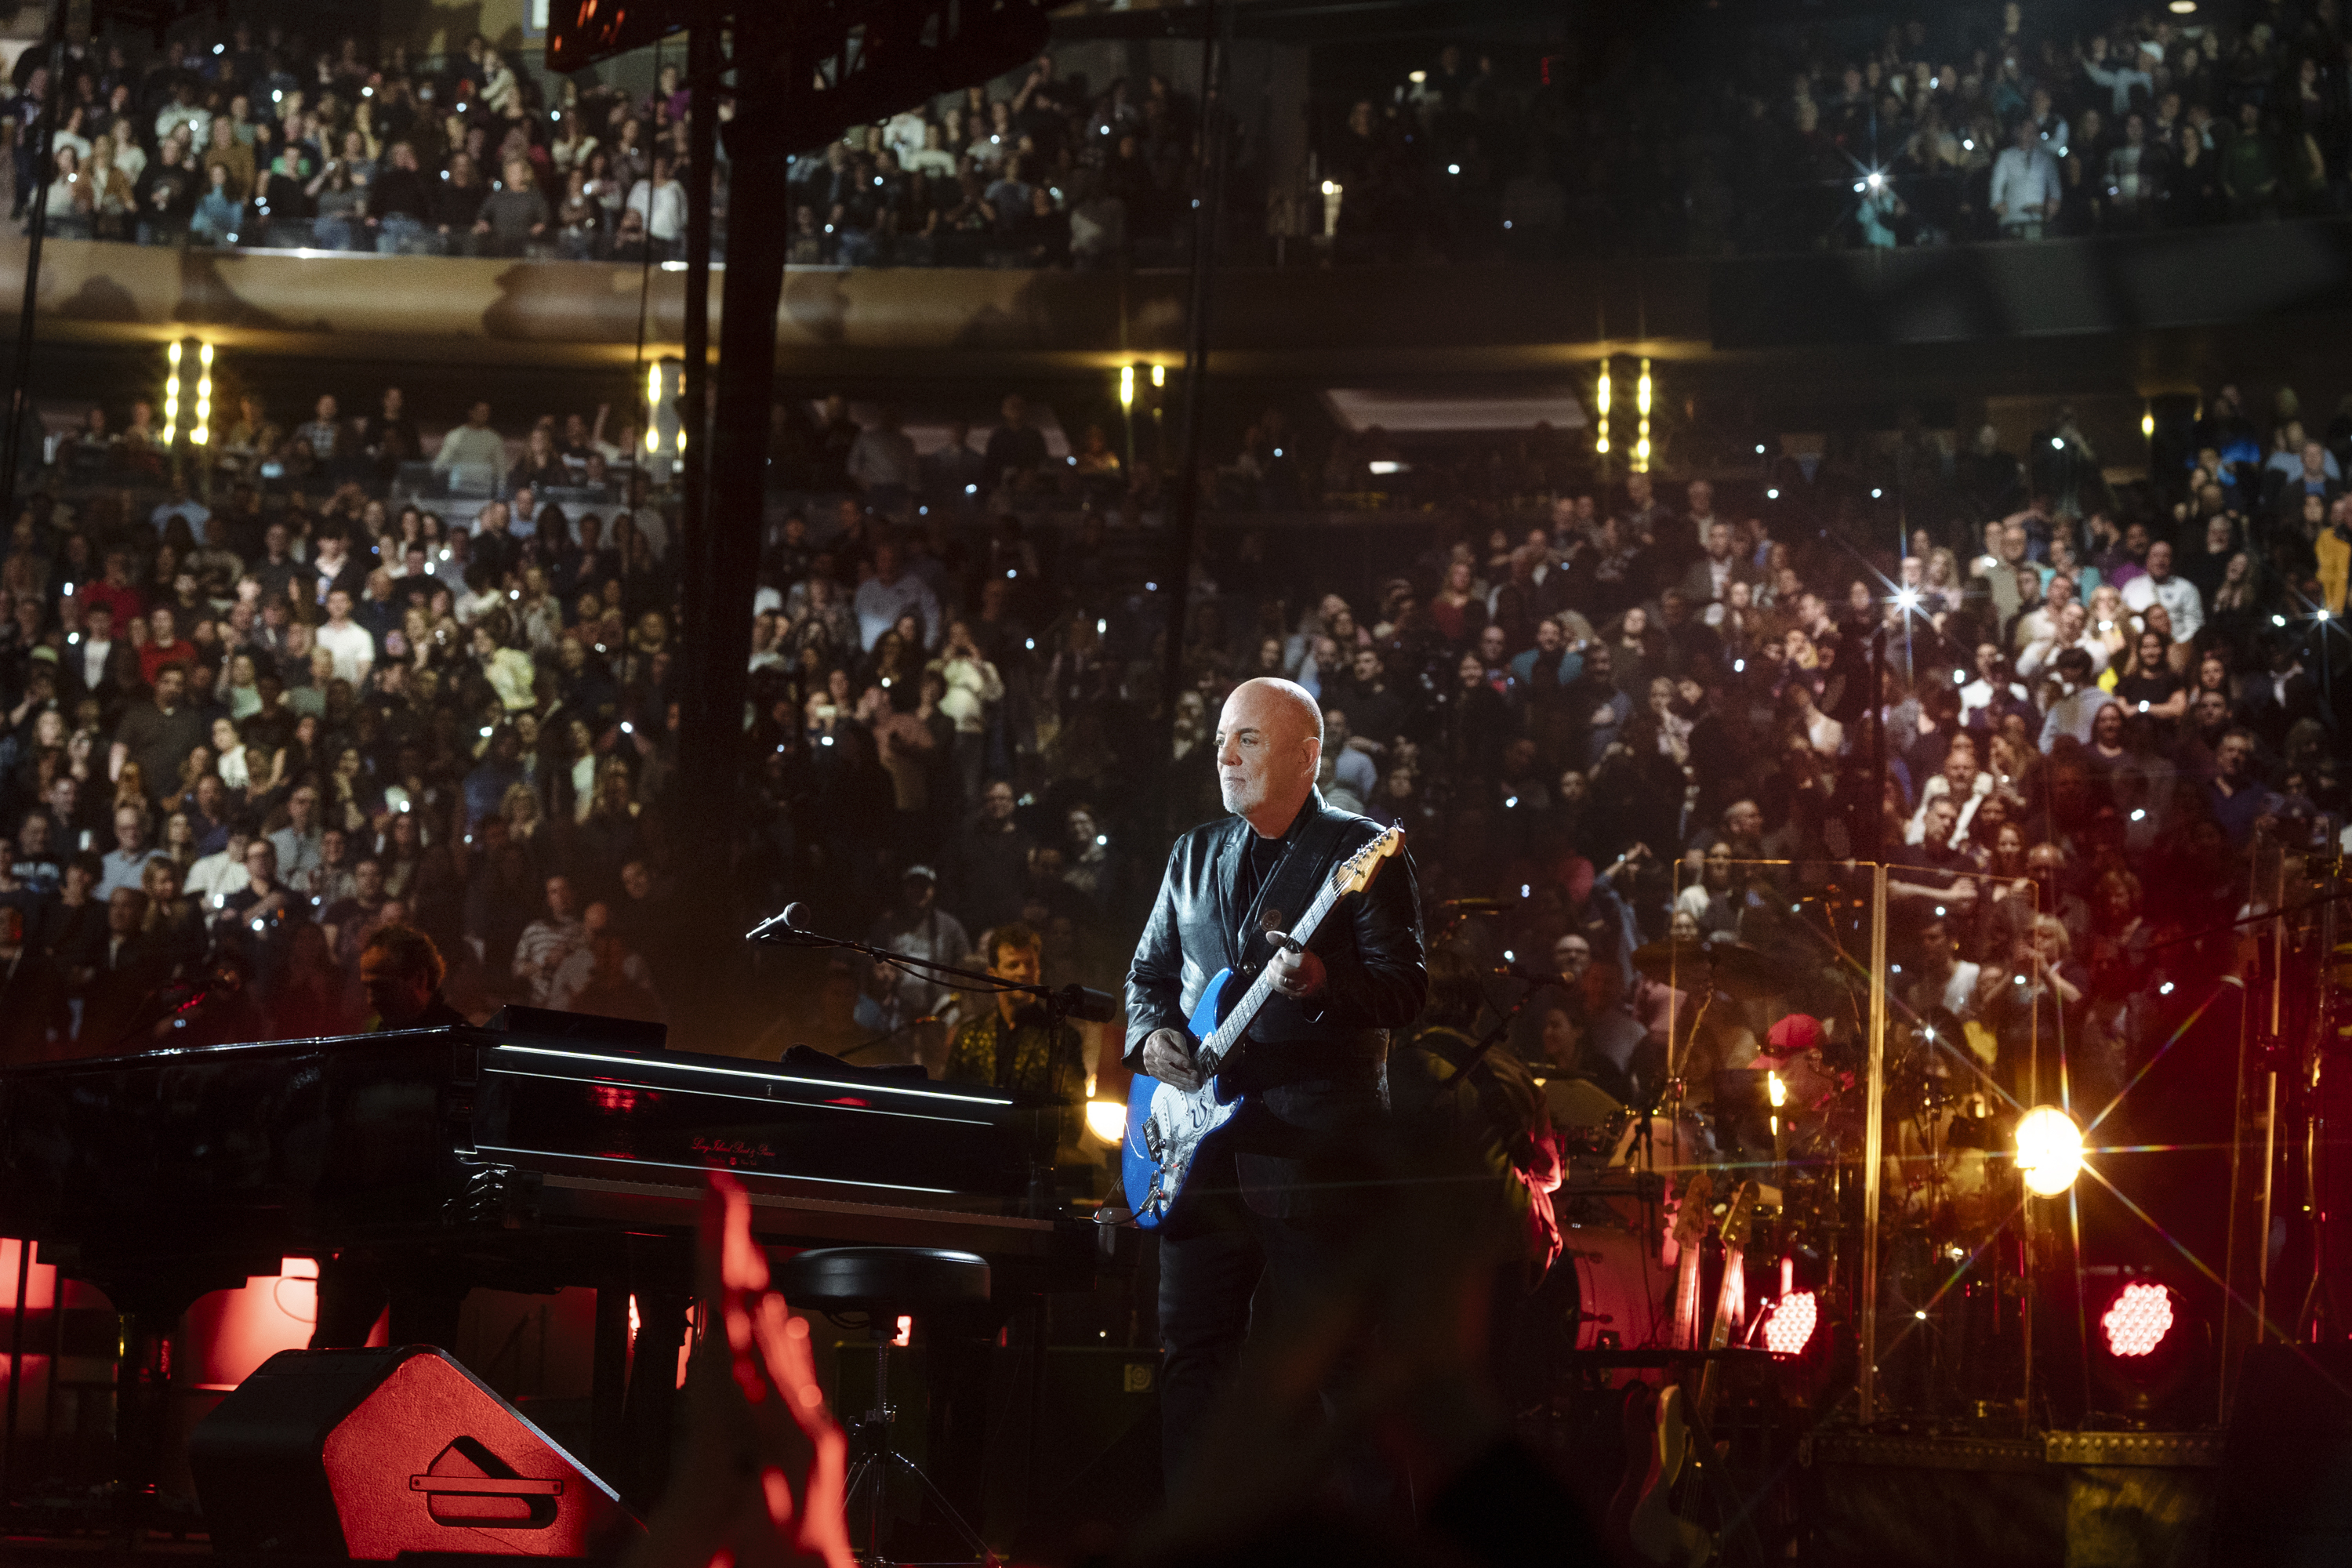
(253, 138)
(1973, 124)
(1959, 124)
(246, 136)
(242, 736)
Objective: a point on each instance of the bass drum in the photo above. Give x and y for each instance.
(1606, 1288)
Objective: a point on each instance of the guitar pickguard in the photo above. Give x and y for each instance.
(1167, 1125)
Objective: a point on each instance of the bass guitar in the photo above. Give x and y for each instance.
(1166, 1125)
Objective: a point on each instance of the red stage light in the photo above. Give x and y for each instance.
(2136, 1320)
(1790, 1328)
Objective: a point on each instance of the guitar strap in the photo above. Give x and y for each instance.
(1296, 879)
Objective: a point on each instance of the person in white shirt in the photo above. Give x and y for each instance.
(2025, 191)
(661, 202)
(2072, 713)
(215, 875)
(350, 644)
(2118, 73)
(1991, 682)
(473, 443)
(2073, 631)
(184, 109)
(2178, 595)
(70, 135)
(2037, 625)
(933, 157)
(906, 133)
(1962, 783)
(889, 593)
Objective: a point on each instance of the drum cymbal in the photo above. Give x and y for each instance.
(1733, 967)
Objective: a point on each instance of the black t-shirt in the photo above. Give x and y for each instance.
(158, 742)
(1021, 450)
(2155, 690)
(401, 191)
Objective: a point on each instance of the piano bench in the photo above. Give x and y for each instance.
(883, 1280)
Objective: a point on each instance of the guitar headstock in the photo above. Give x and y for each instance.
(1355, 873)
(1690, 1217)
(1739, 1218)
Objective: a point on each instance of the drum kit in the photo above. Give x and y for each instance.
(1780, 1104)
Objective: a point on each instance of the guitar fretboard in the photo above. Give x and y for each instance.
(1237, 1018)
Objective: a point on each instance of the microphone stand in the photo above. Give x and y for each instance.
(1493, 1037)
(914, 1023)
(1060, 1001)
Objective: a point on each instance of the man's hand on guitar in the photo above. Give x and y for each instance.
(1168, 1056)
(1297, 973)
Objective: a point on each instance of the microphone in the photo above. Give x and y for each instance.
(1083, 1002)
(783, 927)
(1475, 906)
(1534, 976)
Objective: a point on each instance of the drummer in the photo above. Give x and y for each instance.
(1793, 1047)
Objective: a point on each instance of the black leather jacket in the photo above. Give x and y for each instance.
(1311, 1068)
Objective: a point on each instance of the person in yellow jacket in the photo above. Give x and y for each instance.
(2333, 547)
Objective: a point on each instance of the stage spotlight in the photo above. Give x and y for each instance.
(2049, 1151)
(2149, 1353)
(2136, 1320)
(1906, 599)
(1107, 1121)
(1790, 1327)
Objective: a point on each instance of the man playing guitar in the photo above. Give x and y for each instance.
(1309, 1075)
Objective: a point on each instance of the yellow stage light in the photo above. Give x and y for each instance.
(2049, 1151)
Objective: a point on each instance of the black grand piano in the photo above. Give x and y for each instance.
(522, 1160)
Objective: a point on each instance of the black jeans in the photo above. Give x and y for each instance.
(1227, 1264)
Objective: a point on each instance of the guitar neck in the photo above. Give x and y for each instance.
(1729, 1299)
(1236, 1021)
(1686, 1297)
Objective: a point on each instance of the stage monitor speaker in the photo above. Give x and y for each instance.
(2284, 1495)
(373, 1454)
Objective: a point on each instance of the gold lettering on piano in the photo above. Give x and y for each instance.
(731, 1149)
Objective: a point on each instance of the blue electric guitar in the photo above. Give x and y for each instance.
(1166, 1125)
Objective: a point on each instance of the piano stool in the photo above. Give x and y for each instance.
(887, 1283)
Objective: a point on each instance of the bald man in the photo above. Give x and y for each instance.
(1256, 1202)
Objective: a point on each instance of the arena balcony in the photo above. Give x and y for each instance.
(2132, 303)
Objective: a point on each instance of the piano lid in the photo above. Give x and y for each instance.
(587, 1029)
